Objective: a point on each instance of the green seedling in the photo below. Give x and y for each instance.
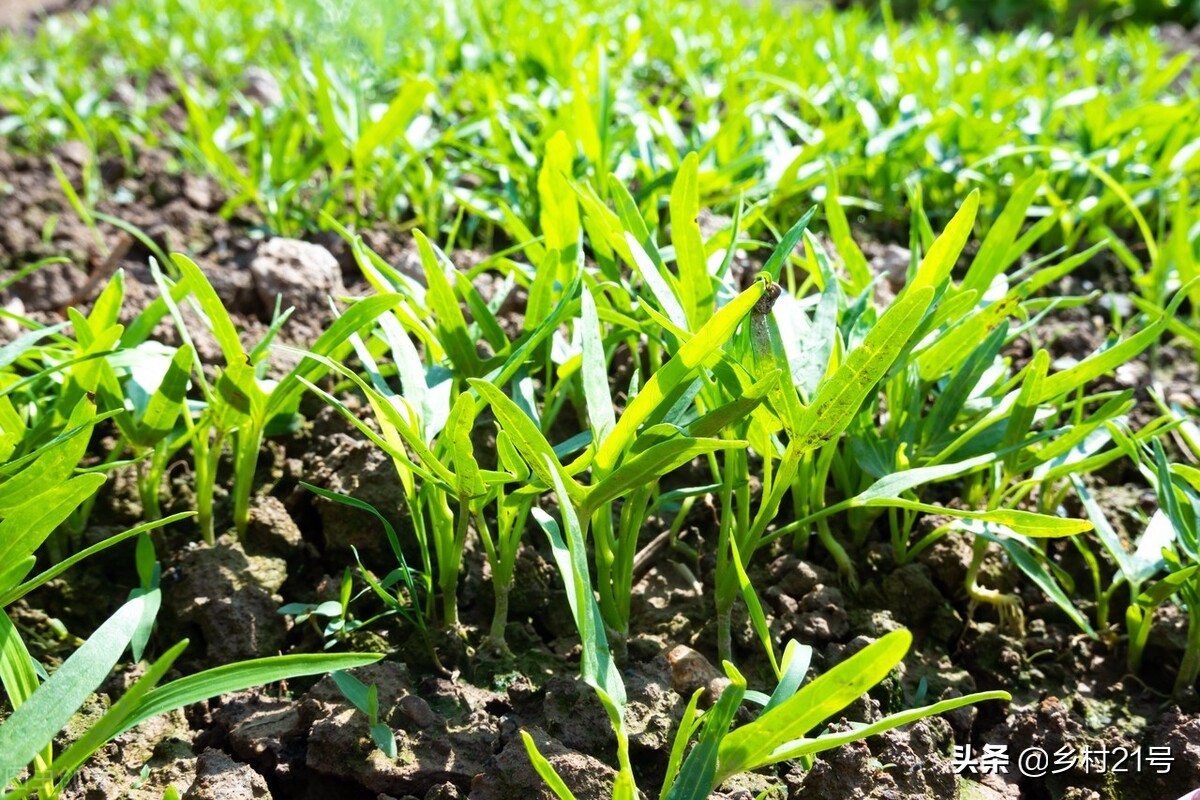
(430, 482)
(356, 131)
(37, 494)
(1133, 569)
(625, 461)
(781, 732)
(366, 700)
(1178, 490)
(146, 381)
(241, 406)
(339, 622)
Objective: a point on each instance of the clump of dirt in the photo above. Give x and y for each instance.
(230, 597)
(219, 777)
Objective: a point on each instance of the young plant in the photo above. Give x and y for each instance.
(37, 494)
(146, 382)
(366, 700)
(399, 590)
(241, 406)
(444, 471)
(1178, 489)
(781, 731)
(626, 460)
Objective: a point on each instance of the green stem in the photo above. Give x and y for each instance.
(148, 489)
(1189, 667)
(449, 556)
(724, 634)
(726, 577)
(248, 442)
(845, 566)
(1137, 622)
(208, 455)
(500, 615)
(606, 556)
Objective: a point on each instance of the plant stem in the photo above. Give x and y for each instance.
(500, 615)
(1137, 622)
(248, 442)
(725, 635)
(605, 547)
(1007, 605)
(840, 557)
(206, 456)
(148, 490)
(1189, 667)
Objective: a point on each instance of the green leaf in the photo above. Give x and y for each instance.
(353, 690)
(14, 573)
(165, 405)
(389, 531)
(395, 120)
(320, 358)
(758, 619)
(559, 209)
(104, 729)
(678, 370)
(392, 419)
(35, 723)
(597, 667)
(658, 284)
(107, 308)
(748, 399)
(443, 304)
(545, 769)
(1101, 363)
(17, 675)
(237, 677)
(466, 468)
(594, 372)
(828, 741)
(697, 778)
(1021, 417)
(839, 231)
(52, 466)
(22, 344)
(796, 660)
(752, 746)
(683, 734)
(943, 255)
(1024, 523)
(9, 596)
(528, 439)
(841, 396)
(213, 310)
(993, 253)
(651, 464)
(1157, 594)
(695, 283)
(787, 244)
(27, 525)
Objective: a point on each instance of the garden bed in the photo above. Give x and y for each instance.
(457, 695)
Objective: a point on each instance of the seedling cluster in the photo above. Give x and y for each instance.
(757, 377)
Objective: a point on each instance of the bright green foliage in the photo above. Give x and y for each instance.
(421, 111)
(1174, 532)
(779, 733)
(797, 395)
(38, 493)
(241, 405)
